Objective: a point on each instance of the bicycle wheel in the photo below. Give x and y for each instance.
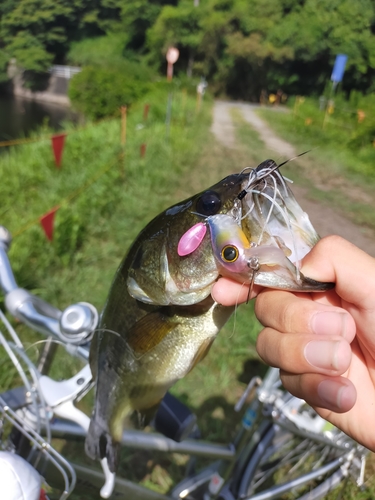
(288, 466)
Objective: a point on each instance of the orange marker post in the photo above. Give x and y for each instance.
(123, 125)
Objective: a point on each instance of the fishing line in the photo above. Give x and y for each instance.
(270, 210)
(294, 157)
(286, 219)
(282, 181)
(268, 172)
(44, 341)
(254, 177)
(273, 202)
(127, 347)
(105, 330)
(235, 310)
(199, 215)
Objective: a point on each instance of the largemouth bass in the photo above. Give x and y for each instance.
(159, 320)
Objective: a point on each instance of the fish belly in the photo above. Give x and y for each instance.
(142, 380)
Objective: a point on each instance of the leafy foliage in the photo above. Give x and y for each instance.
(106, 49)
(243, 46)
(36, 32)
(101, 91)
(240, 46)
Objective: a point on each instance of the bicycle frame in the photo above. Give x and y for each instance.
(266, 411)
(228, 457)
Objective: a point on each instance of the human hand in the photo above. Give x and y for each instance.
(323, 343)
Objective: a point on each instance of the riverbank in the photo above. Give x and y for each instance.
(20, 117)
(45, 96)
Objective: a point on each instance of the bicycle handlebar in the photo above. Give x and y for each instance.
(73, 326)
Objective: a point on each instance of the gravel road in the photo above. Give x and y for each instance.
(326, 220)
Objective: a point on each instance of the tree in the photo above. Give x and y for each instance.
(330, 27)
(240, 46)
(239, 56)
(36, 32)
(180, 27)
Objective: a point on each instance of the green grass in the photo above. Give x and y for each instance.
(333, 171)
(95, 228)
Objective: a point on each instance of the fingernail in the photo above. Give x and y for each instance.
(323, 354)
(336, 393)
(327, 322)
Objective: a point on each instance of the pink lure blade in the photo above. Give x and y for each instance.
(191, 240)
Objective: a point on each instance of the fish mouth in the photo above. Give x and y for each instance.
(287, 276)
(279, 231)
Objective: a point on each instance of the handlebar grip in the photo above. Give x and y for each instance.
(5, 238)
(74, 326)
(7, 280)
(33, 311)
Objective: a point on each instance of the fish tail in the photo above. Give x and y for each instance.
(100, 444)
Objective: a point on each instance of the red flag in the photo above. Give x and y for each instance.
(58, 146)
(47, 221)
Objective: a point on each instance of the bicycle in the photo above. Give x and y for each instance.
(282, 445)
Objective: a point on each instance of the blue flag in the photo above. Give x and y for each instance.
(339, 68)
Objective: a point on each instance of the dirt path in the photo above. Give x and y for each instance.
(326, 220)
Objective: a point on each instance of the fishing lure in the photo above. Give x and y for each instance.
(235, 255)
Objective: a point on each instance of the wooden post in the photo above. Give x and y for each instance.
(146, 109)
(169, 71)
(123, 125)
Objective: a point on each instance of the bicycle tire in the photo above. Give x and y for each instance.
(280, 461)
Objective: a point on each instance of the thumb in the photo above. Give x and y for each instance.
(337, 260)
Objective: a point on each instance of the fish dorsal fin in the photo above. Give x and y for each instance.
(148, 332)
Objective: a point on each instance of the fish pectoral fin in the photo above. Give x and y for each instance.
(149, 331)
(201, 352)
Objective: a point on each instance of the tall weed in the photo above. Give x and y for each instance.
(96, 220)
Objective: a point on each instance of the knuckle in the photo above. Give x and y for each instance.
(267, 306)
(328, 243)
(287, 317)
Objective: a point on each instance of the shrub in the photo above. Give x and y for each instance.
(98, 91)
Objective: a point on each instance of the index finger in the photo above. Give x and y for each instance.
(229, 292)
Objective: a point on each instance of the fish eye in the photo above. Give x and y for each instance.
(229, 253)
(209, 203)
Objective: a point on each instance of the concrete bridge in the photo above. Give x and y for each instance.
(55, 88)
(64, 71)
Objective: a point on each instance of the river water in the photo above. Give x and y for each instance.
(19, 117)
